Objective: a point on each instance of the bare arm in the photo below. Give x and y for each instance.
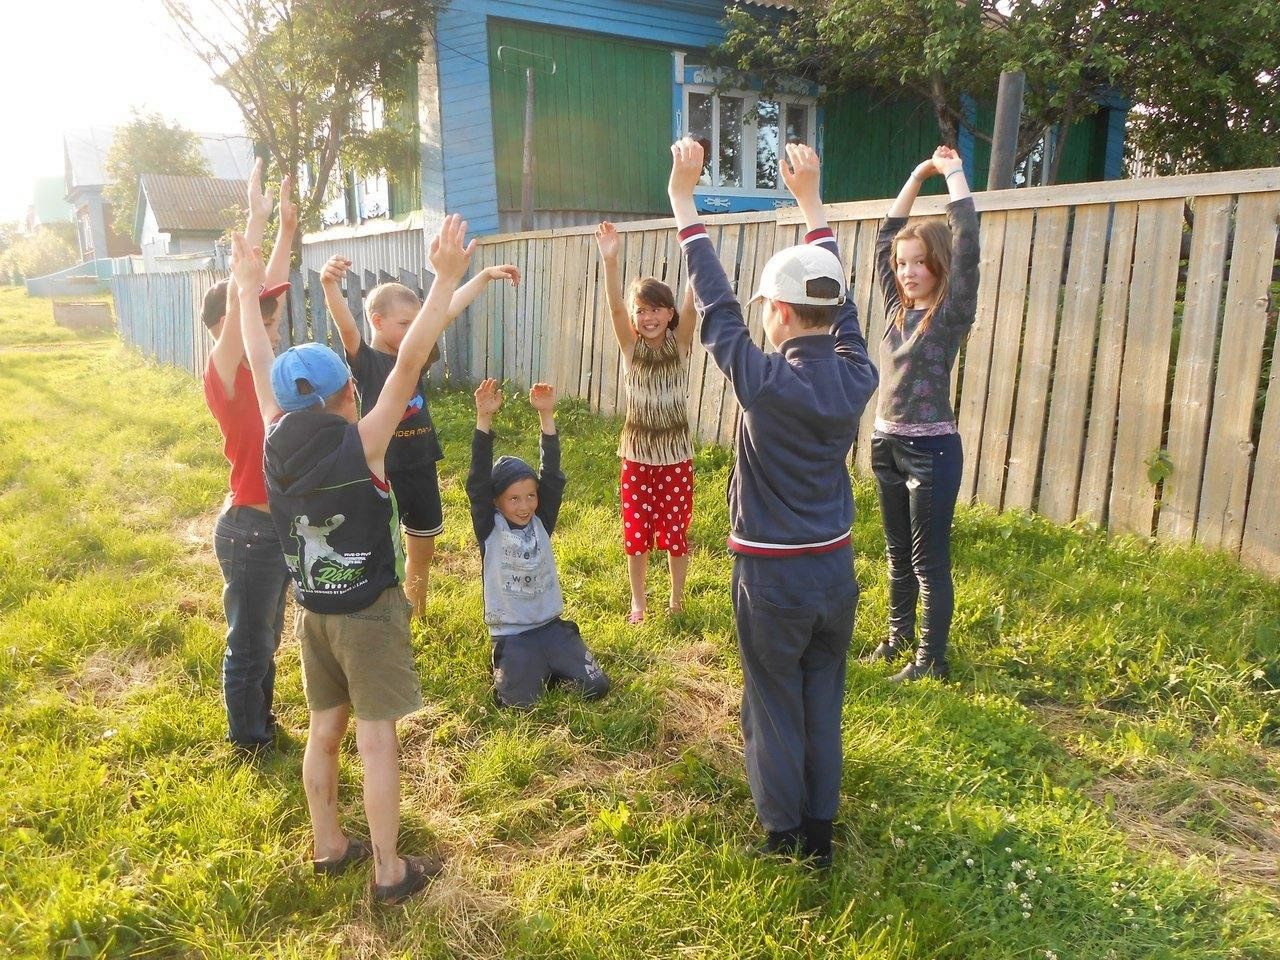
(610, 246)
(228, 349)
(948, 163)
(688, 321)
(331, 283)
(467, 293)
(906, 198)
(278, 265)
(449, 258)
(248, 270)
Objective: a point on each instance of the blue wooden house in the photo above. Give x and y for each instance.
(615, 83)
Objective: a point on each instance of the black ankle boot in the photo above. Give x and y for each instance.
(921, 667)
(778, 843)
(817, 842)
(887, 652)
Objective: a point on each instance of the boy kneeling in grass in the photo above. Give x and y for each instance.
(332, 506)
(514, 511)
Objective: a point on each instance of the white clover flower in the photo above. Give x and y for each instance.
(1026, 914)
(1008, 849)
(899, 843)
(915, 827)
(1011, 886)
(969, 862)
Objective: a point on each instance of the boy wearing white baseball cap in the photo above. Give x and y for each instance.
(790, 501)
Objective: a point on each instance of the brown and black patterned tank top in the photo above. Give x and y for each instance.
(656, 430)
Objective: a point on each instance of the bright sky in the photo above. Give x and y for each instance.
(69, 64)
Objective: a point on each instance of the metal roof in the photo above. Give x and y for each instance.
(207, 204)
(228, 155)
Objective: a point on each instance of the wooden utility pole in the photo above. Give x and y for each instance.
(1004, 138)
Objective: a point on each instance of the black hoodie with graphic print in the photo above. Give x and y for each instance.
(337, 522)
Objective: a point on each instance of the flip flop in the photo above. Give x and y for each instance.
(635, 617)
(357, 852)
(418, 872)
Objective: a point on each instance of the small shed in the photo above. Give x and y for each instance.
(184, 215)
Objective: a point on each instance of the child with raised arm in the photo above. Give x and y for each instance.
(514, 512)
(415, 448)
(656, 482)
(790, 501)
(255, 578)
(929, 274)
(333, 508)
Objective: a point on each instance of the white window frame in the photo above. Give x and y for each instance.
(750, 129)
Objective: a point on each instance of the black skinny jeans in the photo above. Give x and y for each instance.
(919, 479)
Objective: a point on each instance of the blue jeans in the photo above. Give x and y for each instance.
(918, 480)
(256, 586)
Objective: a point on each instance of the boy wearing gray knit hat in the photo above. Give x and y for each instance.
(514, 511)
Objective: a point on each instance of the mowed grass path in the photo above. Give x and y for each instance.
(1099, 781)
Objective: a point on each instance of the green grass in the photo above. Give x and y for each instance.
(1100, 781)
(28, 320)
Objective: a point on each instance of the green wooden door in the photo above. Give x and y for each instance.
(602, 123)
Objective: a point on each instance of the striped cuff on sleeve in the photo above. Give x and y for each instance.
(821, 235)
(691, 233)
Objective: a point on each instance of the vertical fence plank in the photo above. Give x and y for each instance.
(1229, 453)
(1032, 401)
(1193, 377)
(977, 362)
(1143, 388)
(1004, 357)
(870, 302)
(1064, 439)
(1095, 476)
(1261, 544)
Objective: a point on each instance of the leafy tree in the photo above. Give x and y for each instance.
(300, 71)
(146, 144)
(37, 253)
(1207, 78)
(1204, 75)
(940, 51)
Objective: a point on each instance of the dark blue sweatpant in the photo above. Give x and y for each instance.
(795, 623)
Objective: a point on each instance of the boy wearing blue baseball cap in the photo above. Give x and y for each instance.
(336, 516)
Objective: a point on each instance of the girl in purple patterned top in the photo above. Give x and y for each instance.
(928, 272)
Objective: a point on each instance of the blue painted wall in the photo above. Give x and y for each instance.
(465, 105)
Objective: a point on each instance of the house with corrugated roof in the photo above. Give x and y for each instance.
(181, 215)
(227, 156)
(614, 83)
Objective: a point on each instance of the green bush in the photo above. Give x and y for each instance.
(37, 254)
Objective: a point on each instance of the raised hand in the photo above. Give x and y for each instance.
(488, 398)
(504, 271)
(247, 268)
(335, 270)
(946, 161)
(802, 172)
(288, 209)
(448, 256)
(260, 201)
(608, 241)
(542, 397)
(686, 167)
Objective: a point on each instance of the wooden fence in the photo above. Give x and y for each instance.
(1108, 377)
(159, 313)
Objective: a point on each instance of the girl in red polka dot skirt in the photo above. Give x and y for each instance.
(656, 484)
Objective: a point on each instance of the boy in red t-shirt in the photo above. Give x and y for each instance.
(245, 541)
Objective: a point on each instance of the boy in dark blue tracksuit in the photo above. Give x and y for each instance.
(790, 502)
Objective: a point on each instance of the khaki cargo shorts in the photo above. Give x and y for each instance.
(363, 658)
